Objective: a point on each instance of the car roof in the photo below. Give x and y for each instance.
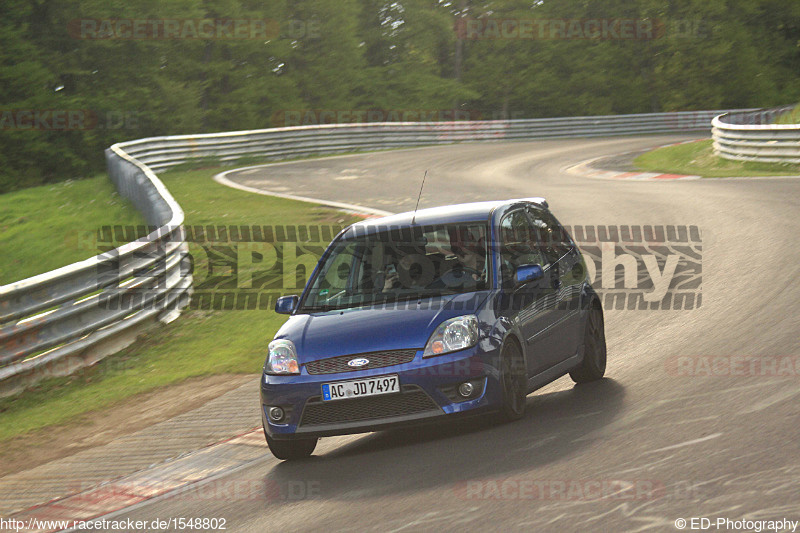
(446, 214)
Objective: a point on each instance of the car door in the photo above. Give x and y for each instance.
(566, 272)
(530, 306)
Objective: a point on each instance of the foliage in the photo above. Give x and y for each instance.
(361, 55)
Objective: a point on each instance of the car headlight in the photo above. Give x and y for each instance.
(452, 335)
(282, 358)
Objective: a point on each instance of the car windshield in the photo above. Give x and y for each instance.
(396, 264)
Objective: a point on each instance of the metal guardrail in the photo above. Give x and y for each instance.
(160, 153)
(60, 321)
(753, 136)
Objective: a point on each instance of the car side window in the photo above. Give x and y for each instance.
(518, 244)
(552, 238)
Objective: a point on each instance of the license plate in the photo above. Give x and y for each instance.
(358, 388)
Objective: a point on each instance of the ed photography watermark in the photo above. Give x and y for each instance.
(729, 524)
(632, 267)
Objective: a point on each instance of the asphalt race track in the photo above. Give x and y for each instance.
(635, 451)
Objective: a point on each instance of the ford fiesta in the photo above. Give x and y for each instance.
(440, 313)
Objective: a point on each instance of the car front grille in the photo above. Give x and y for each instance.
(412, 400)
(334, 365)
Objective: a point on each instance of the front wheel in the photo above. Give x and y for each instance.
(594, 353)
(288, 450)
(515, 382)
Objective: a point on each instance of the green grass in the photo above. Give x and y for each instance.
(200, 343)
(60, 219)
(792, 117)
(698, 158)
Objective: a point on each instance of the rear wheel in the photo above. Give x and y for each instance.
(594, 354)
(288, 450)
(515, 382)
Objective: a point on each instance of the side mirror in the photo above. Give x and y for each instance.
(527, 273)
(286, 304)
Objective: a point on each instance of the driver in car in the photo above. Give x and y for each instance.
(407, 273)
(470, 252)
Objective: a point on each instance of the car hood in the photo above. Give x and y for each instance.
(397, 326)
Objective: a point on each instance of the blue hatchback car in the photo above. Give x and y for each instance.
(431, 315)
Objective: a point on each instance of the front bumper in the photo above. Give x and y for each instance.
(428, 392)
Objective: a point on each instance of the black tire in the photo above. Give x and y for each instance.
(514, 378)
(288, 450)
(594, 356)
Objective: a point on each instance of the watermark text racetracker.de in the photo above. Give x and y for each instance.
(595, 29)
(155, 29)
(67, 119)
(632, 267)
(734, 366)
(598, 490)
(121, 524)
(316, 117)
(576, 490)
(265, 489)
(232, 29)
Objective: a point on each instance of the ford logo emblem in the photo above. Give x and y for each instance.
(361, 361)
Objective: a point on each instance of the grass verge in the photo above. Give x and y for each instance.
(792, 117)
(58, 218)
(698, 158)
(200, 343)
